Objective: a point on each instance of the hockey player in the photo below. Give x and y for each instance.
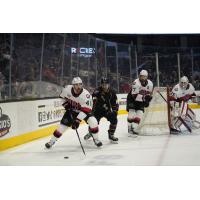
(77, 102)
(181, 114)
(183, 91)
(138, 98)
(105, 105)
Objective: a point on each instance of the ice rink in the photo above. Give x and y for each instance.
(143, 151)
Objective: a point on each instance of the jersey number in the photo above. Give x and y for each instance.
(89, 103)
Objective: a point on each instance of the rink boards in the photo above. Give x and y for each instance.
(24, 121)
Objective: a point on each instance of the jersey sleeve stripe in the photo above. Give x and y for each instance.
(86, 110)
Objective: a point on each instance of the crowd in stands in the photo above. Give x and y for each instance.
(27, 55)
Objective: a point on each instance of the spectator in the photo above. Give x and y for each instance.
(2, 87)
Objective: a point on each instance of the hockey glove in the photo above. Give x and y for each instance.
(184, 98)
(146, 104)
(148, 98)
(66, 105)
(76, 123)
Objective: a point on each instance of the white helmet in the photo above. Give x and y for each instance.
(76, 80)
(144, 73)
(184, 81)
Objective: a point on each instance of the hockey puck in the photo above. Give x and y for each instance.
(66, 157)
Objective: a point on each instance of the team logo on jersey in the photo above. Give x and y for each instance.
(5, 124)
(88, 96)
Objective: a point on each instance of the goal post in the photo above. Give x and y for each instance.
(157, 118)
(168, 109)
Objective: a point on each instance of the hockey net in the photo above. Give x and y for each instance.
(156, 118)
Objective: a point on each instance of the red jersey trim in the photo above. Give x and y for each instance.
(86, 110)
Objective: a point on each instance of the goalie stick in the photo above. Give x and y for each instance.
(185, 124)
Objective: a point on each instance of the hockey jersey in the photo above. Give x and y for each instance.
(81, 103)
(139, 91)
(105, 102)
(137, 97)
(183, 94)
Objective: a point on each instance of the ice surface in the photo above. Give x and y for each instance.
(143, 150)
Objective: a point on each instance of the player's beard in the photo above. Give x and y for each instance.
(105, 88)
(77, 90)
(143, 82)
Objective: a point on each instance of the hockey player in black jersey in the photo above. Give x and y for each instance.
(105, 105)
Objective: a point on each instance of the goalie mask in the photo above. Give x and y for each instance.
(143, 77)
(184, 82)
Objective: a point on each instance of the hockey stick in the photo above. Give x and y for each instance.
(162, 96)
(93, 138)
(78, 137)
(80, 141)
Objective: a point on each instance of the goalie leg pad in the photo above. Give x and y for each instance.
(179, 122)
(190, 114)
(186, 125)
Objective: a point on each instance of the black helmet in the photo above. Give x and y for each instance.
(104, 80)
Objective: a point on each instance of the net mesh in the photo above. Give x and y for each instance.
(155, 118)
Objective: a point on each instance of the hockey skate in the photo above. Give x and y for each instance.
(49, 144)
(87, 136)
(97, 142)
(132, 133)
(174, 131)
(112, 138)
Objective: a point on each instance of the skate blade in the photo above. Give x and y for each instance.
(90, 139)
(87, 138)
(99, 147)
(132, 135)
(113, 142)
